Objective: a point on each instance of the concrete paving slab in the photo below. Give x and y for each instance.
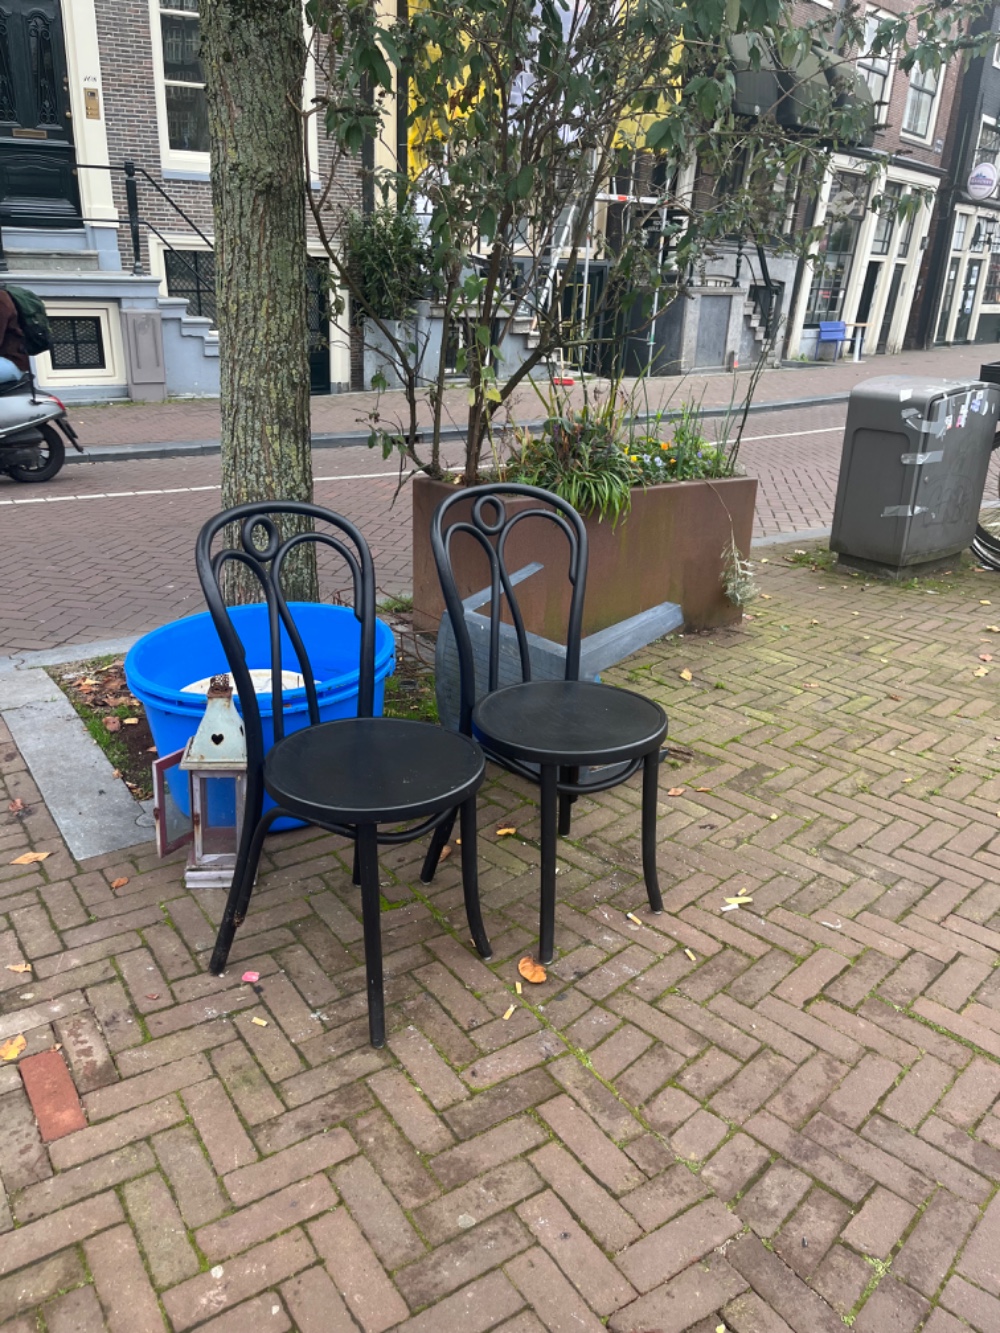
(94, 811)
(18, 688)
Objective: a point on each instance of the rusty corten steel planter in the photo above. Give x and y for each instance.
(667, 549)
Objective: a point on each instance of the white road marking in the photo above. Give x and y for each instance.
(353, 476)
(172, 490)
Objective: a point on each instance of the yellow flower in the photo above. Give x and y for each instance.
(634, 458)
(664, 445)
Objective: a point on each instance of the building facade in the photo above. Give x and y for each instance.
(865, 269)
(87, 86)
(961, 277)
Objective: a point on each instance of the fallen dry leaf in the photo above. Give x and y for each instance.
(532, 971)
(986, 657)
(119, 883)
(685, 674)
(29, 858)
(18, 967)
(16, 806)
(505, 832)
(676, 791)
(113, 723)
(980, 671)
(12, 1048)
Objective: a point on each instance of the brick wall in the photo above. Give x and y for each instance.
(127, 67)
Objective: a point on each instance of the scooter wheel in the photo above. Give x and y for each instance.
(53, 455)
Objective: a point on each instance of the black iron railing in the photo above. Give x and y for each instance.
(136, 220)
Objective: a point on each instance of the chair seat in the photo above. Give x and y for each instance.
(372, 770)
(569, 723)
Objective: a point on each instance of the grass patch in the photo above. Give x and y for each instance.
(114, 717)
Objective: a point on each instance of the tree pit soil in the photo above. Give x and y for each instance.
(115, 718)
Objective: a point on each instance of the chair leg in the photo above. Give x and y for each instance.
(367, 846)
(567, 801)
(239, 893)
(470, 879)
(549, 813)
(439, 841)
(356, 872)
(650, 795)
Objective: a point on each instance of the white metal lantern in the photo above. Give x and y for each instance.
(215, 760)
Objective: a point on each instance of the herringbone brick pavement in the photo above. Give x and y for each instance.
(781, 1117)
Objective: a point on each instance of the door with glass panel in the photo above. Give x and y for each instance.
(38, 185)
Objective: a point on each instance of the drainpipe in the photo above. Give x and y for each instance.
(402, 108)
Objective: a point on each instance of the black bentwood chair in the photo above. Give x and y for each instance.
(560, 726)
(347, 776)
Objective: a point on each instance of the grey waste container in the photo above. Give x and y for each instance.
(916, 453)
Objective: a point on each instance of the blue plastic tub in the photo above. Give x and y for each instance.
(162, 662)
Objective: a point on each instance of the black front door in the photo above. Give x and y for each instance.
(969, 286)
(318, 313)
(38, 185)
(890, 308)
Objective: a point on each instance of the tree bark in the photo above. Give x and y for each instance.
(254, 56)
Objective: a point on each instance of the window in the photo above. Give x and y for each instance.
(920, 102)
(984, 235)
(988, 148)
(77, 343)
(191, 274)
(991, 293)
(876, 70)
(832, 266)
(961, 227)
(183, 81)
(906, 235)
(886, 224)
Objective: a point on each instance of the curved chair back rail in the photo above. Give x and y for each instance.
(491, 531)
(266, 561)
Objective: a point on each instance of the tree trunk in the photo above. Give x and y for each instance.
(253, 53)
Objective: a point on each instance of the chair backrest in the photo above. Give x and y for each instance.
(489, 524)
(832, 331)
(262, 549)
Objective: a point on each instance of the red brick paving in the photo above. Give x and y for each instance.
(795, 1129)
(135, 423)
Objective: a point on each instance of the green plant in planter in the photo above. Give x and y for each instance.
(581, 456)
(687, 456)
(390, 261)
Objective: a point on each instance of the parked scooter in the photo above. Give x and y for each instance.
(31, 448)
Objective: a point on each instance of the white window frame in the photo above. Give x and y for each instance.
(932, 118)
(177, 160)
(961, 247)
(197, 166)
(881, 107)
(113, 372)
